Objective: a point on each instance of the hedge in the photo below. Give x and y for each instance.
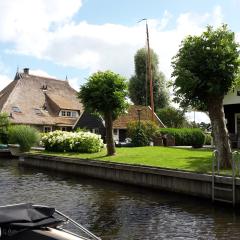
(185, 136)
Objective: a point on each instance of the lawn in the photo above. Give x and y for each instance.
(189, 159)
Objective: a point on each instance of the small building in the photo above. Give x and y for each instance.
(231, 104)
(96, 124)
(45, 103)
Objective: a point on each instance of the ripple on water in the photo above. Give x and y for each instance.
(115, 211)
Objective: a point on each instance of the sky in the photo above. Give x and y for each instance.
(75, 38)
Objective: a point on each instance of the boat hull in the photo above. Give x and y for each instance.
(45, 234)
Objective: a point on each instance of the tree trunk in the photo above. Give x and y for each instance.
(109, 134)
(220, 132)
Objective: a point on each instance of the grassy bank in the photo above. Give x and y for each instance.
(196, 160)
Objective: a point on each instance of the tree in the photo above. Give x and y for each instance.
(105, 93)
(139, 89)
(205, 69)
(172, 117)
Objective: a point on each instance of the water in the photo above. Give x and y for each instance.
(115, 211)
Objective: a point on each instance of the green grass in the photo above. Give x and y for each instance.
(189, 159)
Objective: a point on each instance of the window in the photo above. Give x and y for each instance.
(16, 109)
(95, 130)
(66, 113)
(116, 135)
(38, 111)
(47, 129)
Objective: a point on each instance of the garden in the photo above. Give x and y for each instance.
(85, 145)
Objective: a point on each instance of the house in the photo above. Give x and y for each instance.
(135, 113)
(231, 103)
(45, 103)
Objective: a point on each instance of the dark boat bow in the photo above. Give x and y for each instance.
(28, 221)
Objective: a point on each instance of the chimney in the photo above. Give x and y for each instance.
(26, 70)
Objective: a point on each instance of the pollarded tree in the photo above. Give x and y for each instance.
(205, 69)
(139, 89)
(105, 93)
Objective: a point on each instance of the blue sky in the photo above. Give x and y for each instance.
(78, 37)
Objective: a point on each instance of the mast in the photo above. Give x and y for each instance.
(150, 72)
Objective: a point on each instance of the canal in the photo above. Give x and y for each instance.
(115, 211)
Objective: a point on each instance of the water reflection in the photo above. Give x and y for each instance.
(115, 211)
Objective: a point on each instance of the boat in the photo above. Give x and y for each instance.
(36, 222)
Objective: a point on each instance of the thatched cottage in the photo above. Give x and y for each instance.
(46, 103)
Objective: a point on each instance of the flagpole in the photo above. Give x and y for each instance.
(150, 72)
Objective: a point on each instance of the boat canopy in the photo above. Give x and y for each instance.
(27, 215)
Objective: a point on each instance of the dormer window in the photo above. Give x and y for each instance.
(16, 109)
(38, 111)
(67, 113)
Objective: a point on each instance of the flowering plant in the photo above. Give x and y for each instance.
(61, 141)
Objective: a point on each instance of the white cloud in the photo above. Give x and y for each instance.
(4, 78)
(45, 29)
(74, 83)
(27, 17)
(4, 81)
(217, 16)
(198, 117)
(39, 72)
(28, 23)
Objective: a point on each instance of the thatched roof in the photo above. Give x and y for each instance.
(132, 115)
(39, 100)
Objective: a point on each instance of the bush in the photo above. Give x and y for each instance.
(139, 138)
(186, 136)
(82, 142)
(208, 139)
(142, 134)
(23, 135)
(4, 125)
(4, 136)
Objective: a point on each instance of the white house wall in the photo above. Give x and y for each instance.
(231, 98)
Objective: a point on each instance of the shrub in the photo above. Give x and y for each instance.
(186, 136)
(139, 138)
(4, 125)
(208, 139)
(61, 141)
(23, 135)
(142, 133)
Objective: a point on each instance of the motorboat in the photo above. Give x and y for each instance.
(27, 221)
